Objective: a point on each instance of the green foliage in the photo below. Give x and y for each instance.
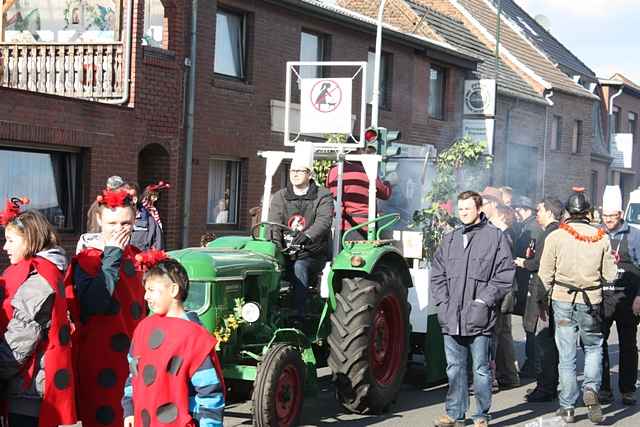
(463, 166)
(321, 167)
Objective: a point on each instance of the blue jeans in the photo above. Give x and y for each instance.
(457, 351)
(300, 273)
(573, 321)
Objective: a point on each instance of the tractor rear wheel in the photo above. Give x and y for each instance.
(278, 390)
(369, 340)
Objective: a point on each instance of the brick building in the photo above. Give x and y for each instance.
(68, 118)
(621, 107)
(57, 128)
(547, 136)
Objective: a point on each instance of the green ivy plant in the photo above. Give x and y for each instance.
(321, 167)
(462, 166)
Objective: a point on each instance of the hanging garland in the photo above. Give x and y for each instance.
(581, 237)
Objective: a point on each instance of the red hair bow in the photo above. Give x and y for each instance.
(159, 186)
(150, 258)
(12, 209)
(116, 198)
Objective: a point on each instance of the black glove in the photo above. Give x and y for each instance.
(301, 239)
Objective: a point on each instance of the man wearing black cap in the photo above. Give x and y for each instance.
(576, 260)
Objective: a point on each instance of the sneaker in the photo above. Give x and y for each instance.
(447, 421)
(567, 414)
(605, 396)
(590, 398)
(480, 422)
(629, 399)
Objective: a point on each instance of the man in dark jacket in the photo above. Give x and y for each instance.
(537, 319)
(147, 233)
(471, 273)
(527, 231)
(307, 210)
(619, 299)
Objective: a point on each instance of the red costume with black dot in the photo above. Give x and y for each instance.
(167, 355)
(58, 403)
(105, 324)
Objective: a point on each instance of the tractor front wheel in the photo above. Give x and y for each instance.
(278, 391)
(369, 341)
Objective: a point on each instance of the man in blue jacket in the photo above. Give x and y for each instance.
(471, 273)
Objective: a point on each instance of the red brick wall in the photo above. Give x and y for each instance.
(233, 118)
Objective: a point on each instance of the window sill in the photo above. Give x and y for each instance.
(159, 57)
(230, 83)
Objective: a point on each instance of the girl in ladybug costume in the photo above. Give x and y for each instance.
(107, 303)
(35, 349)
(175, 377)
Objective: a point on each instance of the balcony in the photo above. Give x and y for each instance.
(89, 71)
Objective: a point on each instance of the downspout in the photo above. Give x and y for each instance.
(547, 108)
(611, 124)
(188, 149)
(127, 60)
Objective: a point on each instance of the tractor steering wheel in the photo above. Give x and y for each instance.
(274, 224)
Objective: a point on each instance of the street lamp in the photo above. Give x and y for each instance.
(376, 67)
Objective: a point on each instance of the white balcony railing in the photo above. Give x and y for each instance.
(89, 71)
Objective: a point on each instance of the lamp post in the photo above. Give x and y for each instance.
(376, 70)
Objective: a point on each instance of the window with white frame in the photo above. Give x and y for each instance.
(223, 191)
(576, 137)
(312, 48)
(556, 133)
(230, 55)
(616, 119)
(51, 180)
(436, 92)
(385, 79)
(154, 22)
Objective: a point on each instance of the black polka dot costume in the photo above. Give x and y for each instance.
(102, 341)
(165, 354)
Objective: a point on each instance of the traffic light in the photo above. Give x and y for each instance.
(382, 139)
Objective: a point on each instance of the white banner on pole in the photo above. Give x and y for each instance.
(480, 97)
(325, 106)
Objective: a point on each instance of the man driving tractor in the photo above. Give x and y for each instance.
(307, 210)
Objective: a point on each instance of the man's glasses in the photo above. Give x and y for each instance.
(298, 171)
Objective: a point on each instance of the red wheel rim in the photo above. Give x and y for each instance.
(288, 395)
(387, 341)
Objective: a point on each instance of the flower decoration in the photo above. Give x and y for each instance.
(148, 259)
(12, 209)
(581, 237)
(116, 198)
(161, 185)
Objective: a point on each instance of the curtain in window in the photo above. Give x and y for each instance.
(28, 174)
(216, 197)
(229, 55)
(65, 172)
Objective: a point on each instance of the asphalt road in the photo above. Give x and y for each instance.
(420, 406)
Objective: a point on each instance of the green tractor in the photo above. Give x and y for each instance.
(357, 320)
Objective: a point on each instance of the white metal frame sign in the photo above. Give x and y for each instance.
(480, 97)
(325, 103)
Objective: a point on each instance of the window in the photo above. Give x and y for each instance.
(154, 23)
(224, 183)
(633, 123)
(594, 187)
(616, 119)
(230, 57)
(556, 133)
(385, 79)
(50, 179)
(198, 297)
(576, 137)
(436, 92)
(312, 48)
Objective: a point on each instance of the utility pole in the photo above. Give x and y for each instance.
(376, 71)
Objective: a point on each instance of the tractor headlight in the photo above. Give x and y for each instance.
(250, 312)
